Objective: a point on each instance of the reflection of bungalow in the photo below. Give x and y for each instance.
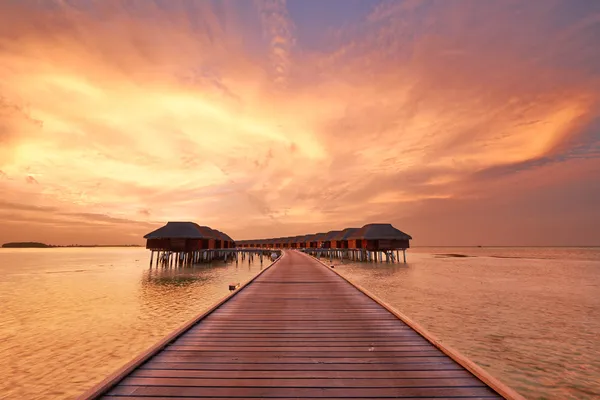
(379, 237)
(180, 237)
(340, 240)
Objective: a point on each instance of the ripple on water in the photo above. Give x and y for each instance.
(533, 322)
(70, 317)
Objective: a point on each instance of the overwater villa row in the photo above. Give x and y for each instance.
(189, 236)
(188, 243)
(371, 237)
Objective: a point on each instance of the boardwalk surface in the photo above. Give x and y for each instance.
(300, 331)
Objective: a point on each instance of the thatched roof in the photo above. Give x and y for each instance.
(309, 238)
(299, 239)
(209, 232)
(343, 235)
(331, 235)
(178, 230)
(223, 236)
(379, 232)
(303, 239)
(320, 236)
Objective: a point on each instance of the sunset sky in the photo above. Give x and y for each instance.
(460, 122)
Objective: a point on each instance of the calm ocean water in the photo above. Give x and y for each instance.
(529, 316)
(70, 317)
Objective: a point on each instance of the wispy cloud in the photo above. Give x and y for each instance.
(278, 28)
(221, 112)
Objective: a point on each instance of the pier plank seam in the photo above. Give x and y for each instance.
(334, 335)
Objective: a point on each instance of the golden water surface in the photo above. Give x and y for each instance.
(70, 317)
(531, 317)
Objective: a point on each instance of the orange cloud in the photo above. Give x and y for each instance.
(218, 114)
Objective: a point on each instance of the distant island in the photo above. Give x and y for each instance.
(38, 245)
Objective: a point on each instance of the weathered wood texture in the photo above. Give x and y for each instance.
(300, 331)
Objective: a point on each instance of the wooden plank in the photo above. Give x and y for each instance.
(442, 364)
(303, 383)
(321, 374)
(294, 342)
(299, 330)
(142, 397)
(272, 348)
(300, 360)
(315, 355)
(313, 392)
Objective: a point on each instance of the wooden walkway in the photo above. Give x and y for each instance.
(297, 331)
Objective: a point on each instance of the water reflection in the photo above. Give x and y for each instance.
(181, 276)
(70, 317)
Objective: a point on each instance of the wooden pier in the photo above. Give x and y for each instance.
(299, 330)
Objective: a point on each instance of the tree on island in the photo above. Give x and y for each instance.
(37, 245)
(22, 245)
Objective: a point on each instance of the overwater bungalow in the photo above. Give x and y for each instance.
(177, 237)
(379, 237)
(320, 239)
(295, 242)
(224, 240)
(301, 241)
(308, 240)
(185, 237)
(289, 241)
(340, 240)
(326, 242)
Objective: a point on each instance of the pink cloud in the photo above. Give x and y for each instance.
(416, 109)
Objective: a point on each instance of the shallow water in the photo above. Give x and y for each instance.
(70, 317)
(530, 316)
